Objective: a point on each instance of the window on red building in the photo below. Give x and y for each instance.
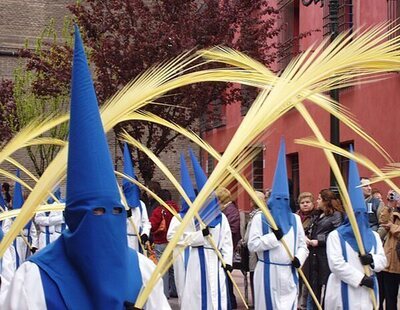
(294, 173)
(344, 161)
(248, 94)
(289, 37)
(342, 14)
(393, 13)
(258, 171)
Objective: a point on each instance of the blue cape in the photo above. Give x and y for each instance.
(360, 212)
(90, 263)
(279, 201)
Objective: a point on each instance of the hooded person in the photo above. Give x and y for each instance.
(275, 275)
(90, 266)
(138, 220)
(7, 269)
(348, 286)
(205, 284)
(22, 250)
(49, 224)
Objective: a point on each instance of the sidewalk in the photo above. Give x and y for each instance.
(239, 279)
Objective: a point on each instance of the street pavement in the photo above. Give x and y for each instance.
(239, 279)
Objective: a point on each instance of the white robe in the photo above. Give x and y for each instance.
(7, 270)
(179, 259)
(142, 225)
(283, 288)
(26, 292)
(191, 289)
(350, 272)
(49, 225)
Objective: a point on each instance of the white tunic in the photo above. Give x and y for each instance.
(350, 272)
(179, 259)
(191, 296)
(7, 270)
(26, 292)
(49, 226)
(142, 225)
(282, 285)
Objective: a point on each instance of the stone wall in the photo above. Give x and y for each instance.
(22, 20)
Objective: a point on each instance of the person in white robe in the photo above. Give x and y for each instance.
(138, 219)
(348, 286)
(275, 275)
(90, 266)
(50, 225)
(7, 269)
(204, 285)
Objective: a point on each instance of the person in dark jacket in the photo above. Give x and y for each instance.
(231, 212)
(159, 231)
(329, 217)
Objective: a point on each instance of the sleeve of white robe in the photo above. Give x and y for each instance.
(380, 260)
(146, 225)
(226, 245)
(302, 250)
(342, 269)
(259, 242)
(157, 300)
(7, 271)
(188, 238)
(34, 235)
(26, 290)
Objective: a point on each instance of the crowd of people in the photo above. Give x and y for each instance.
(101, 251)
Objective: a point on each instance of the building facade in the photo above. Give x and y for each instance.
(374, 105)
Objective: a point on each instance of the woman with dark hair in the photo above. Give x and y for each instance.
(329, 217)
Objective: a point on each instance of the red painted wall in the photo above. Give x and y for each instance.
(375, 106)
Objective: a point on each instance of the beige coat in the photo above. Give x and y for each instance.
(391, 240)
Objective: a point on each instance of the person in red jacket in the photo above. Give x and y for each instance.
(160, 220)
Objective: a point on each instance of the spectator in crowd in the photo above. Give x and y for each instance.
(252, 260)
(390, 220)
(373, 205)
(5, 189)
(376, 193)
(329, 217)
(160, 221)
(231, 212)
(306, 211)
(155, 187)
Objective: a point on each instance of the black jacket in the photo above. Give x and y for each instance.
(321, 226)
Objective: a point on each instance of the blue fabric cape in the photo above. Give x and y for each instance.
(279, 201)
(360, 212)
(90, 263)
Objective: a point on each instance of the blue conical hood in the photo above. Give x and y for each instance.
(18, 198)
(210, 214)
(360, 212)
(57, 194)
(88, 274)
(279, 201)
(131, 191)
(90, 173)
(187, 185)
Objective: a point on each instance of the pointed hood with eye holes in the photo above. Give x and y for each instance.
(89, 263)
(279, 200)
(131, 191)
(360, 212)
(211, 213)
